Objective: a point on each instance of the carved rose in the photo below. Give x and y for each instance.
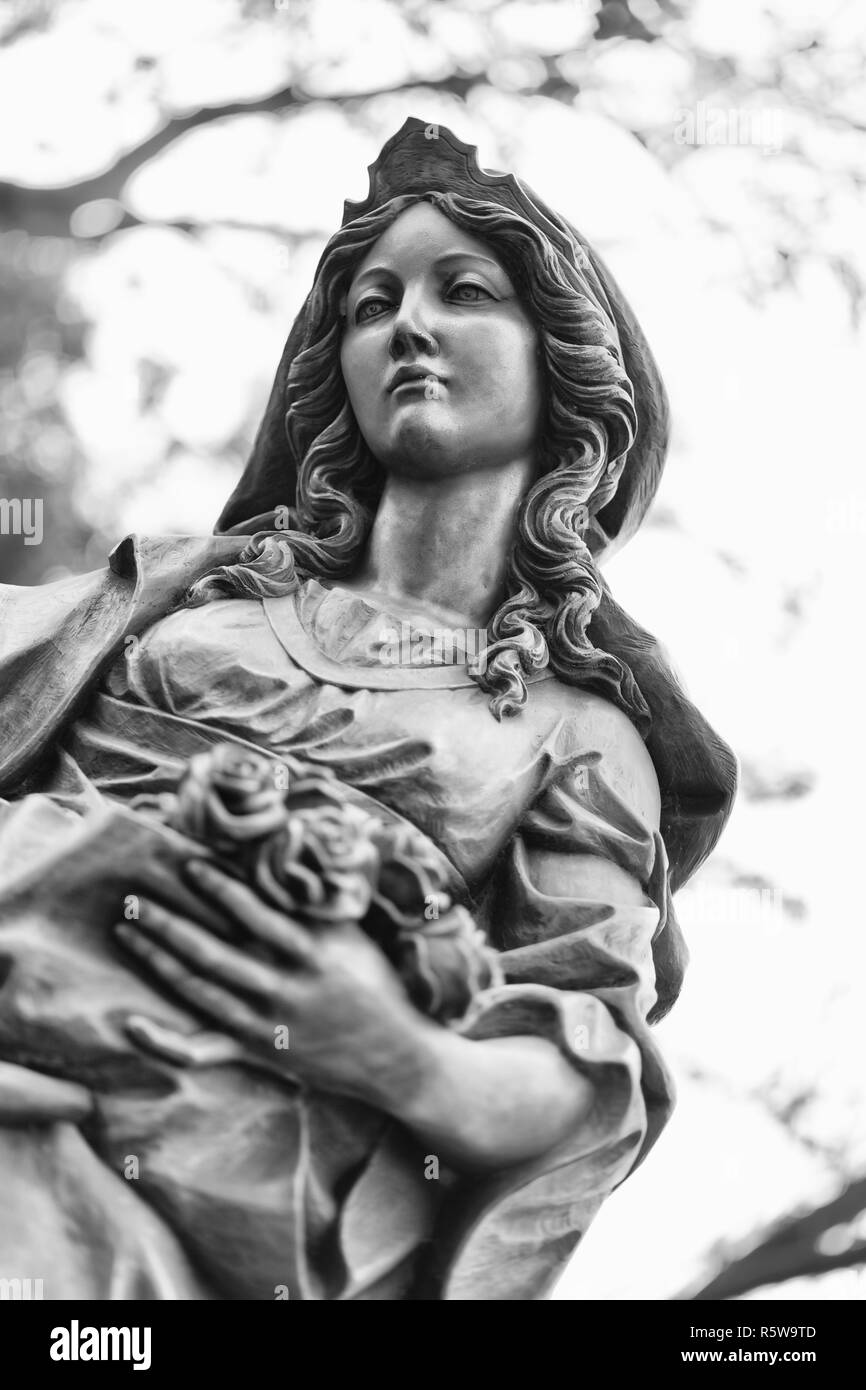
(445, 963)
(410, 884)
(322, 865)
(313, 854)
(228, 797)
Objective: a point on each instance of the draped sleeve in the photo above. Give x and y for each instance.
(580, 910)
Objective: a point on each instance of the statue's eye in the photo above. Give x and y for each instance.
(371, 308)
(467, 292)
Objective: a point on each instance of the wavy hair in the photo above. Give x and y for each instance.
(552, 585)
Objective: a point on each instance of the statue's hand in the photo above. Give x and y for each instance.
(325, 1007)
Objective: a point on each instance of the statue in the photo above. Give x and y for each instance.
(337, 848)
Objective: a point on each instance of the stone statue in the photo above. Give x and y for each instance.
(337, 848)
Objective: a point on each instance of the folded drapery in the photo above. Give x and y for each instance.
(258, 1186)
(224, 1155)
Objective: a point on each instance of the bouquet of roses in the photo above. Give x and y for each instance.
(290, 831)
(220, 1130)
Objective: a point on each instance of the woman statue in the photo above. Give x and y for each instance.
(465, 422)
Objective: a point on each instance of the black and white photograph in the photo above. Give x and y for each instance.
(432, 520)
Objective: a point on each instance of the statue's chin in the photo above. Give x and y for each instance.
(436, 438)
(425, 443)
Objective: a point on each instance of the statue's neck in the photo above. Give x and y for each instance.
(441, 545)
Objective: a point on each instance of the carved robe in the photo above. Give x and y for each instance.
(125, 1176)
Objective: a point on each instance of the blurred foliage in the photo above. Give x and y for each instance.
(40, 455)
(84, 168)
(802, 63)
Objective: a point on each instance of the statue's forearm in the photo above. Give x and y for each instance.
(486, 1105)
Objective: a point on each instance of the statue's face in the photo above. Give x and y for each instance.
(439, 355)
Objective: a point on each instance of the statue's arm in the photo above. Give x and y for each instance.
(499, 1095)
(353, 1030)
(556, 1051)
(485, 1105)
(563, 1053)
(508, 1087)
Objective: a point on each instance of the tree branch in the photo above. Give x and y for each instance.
(46, 211)
(790, 1250)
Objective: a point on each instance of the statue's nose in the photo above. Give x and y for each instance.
(411, 337)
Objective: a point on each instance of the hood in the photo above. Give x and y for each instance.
(697, 770)
(423, 158)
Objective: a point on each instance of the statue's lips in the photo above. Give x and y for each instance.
(413, 377)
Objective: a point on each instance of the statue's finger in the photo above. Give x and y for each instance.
(33, 1097)
(207, 1048)
(245, 905)
(206, 953)
(211, 999)
(165, 1043)
(199, 1049)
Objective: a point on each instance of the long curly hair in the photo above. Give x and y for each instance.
(552, 585)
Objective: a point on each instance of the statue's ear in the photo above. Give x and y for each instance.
(269, 479)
